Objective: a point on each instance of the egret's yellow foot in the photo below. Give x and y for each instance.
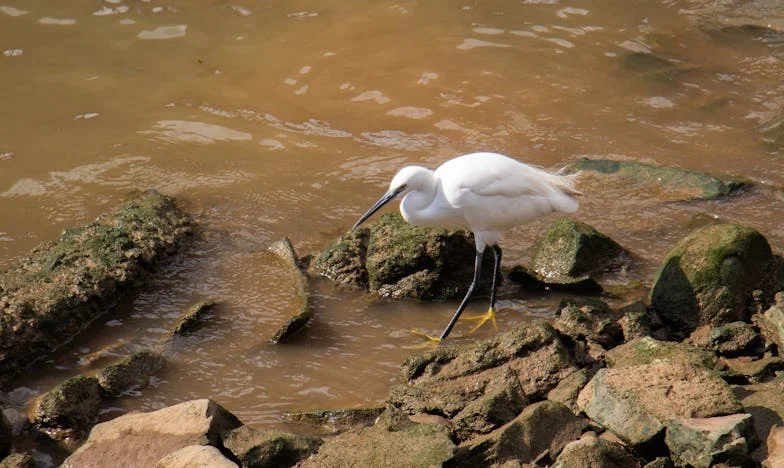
(483, 319)
(432, 341)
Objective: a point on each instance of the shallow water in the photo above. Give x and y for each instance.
(271, 119)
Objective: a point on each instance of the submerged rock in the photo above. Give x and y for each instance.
(68, 411)
(133, 371)
(54, 292)
(260, 448)
(301, 315)
(194, 317)
(573, 249)
(142, 439)
(679, 184)
(709, 278)
(396, 259)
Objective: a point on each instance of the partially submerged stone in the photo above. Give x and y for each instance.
(542, 428)
(131, 372)
(335, 421)
(302, 313)
(393, 441)
(704, 442)
(576, 285)
(141, 439)
(635, 402)
(399, 260)
(194, 316)
(677, 184)
(54, 292)
(570, 248)
(260, 448)
(594, 452)
(709, 278)
(68, 411)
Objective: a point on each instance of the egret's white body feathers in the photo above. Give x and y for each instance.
(486, 193)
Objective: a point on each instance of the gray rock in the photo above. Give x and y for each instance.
(542, 427)
(141, 439)
(393, 441)
(634, 402)
(703, 442)
(594, 452)
(571, 248)
(196, 456)
(133, 371)
(709, 277)
(54, 292)
(647, 350)
(194, 317)
(732, 339)
(335, 421)
(568, 389)
(299, 317)
(67, 411)
(592, 320)
(259, 448)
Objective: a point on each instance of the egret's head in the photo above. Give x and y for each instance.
(408, 179)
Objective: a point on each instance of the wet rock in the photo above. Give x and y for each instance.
(393, 441)
(258, 448)
(532, 281)
(141, 439)
(753, 16)
(634, 402)
(775, 446)
(678, 184)
(67, 411)
(772, 322)
(196, 455)
(647, 350)
(55, 291)
(732, 339)
(704, 442)
(194, 317)
(593, 452)
(572, 248)
(445, 380)
(396, 259)
(710, 276)
(302, 314)
(752, 369)
(335, 421)
(18, 460)
(133, 371)
(568, 389)
(546, 426)
(592, 320)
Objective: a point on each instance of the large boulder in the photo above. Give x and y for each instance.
(710, 276)
(394, 440)
(396, 259)
(542, 427)
(259, 448)
(571, 248)
(704, 442)
(635, 402)
(59, 288)
(142, 439)
(68, 411)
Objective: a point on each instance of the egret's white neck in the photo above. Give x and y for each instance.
(420, 196)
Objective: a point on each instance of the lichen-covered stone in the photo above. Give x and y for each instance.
(344, 261)
(67, 411)
(647, 350)
(710, 276)
(259, 448)
(133, 371)
(55, 291)
(592, 320)
(571, 248)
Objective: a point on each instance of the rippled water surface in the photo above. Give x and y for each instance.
(287, 118)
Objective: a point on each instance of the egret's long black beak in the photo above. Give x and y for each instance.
(389, 196)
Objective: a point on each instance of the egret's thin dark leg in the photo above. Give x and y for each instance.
(474, 282)
(496, 274)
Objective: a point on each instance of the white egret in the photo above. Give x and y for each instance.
(486, 193)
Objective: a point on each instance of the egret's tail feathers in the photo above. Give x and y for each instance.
(568, 182)
(564, 192)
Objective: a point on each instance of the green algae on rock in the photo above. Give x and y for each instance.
(59, 288)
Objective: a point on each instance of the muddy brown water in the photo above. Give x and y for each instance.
(289, 117)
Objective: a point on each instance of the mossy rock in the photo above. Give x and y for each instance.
(260, 448)
(299, 315)
(709, 277)
(591, 320)
(344, 261)
(69, 410)
(336, 420)
(572, 248)
(133, 371)
(194, 317)
(677, 184)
